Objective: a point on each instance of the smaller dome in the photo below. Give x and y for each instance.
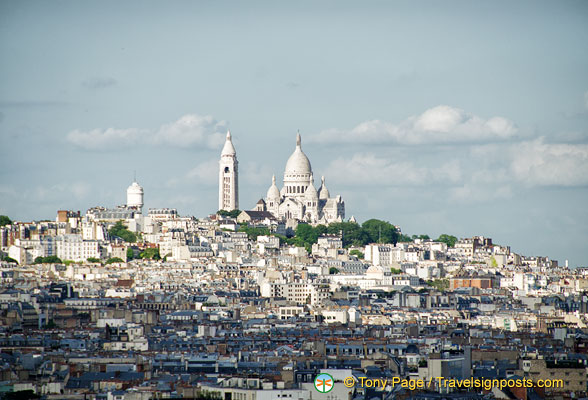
(323, 191)
(273, 192)
(228, 149)
(311, 192)
(135, 188)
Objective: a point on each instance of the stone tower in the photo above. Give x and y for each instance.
(228, 177)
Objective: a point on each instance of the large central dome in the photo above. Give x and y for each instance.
(298, 163)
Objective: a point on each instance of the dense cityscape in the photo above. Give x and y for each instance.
(126, 303)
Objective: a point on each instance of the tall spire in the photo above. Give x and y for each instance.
(273, 179)
(298, 140)
(228, 148)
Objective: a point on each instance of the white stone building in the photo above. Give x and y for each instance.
(298, 198)
(228, 177)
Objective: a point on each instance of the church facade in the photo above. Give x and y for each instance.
(299, 199)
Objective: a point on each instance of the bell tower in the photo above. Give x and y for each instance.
(228, 177)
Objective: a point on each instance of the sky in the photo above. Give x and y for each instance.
(458, 117)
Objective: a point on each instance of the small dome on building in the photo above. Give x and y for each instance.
(311, 192)
(273, 192)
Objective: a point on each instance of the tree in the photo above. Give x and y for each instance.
(4, 220)
(380, 231)
(93, 260)
(395, 271)
(254, 232)
(356, 253)
(232, 214)
(130, 254)
(122, 232)
(423, 237)
(402, 238)
(8, 259)
(151, 254)
(47, 260)
(333, 271)
(449, 240)
(114, 260)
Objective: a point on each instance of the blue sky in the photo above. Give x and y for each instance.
(460, 117)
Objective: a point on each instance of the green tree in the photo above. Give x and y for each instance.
(151, 254)
(93, 260)
(8, 259)
(232, 214)
(130, 254)
(48, 260)
(402, 238)
(380, 231)
(114, 260)
(122, 232)
(254, 232)
(333, 271)
(4, 220)
(395, 271)
(351, 232)
(356, 253)
(423, 237)
(449, 240)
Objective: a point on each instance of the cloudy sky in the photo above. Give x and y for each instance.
(460, 117)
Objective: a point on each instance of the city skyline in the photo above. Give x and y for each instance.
(456, 118)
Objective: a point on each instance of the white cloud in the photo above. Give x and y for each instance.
(441, 124)
(104, 139)
(190, 130)
(205, 173)
(536, 163)
(369, 169)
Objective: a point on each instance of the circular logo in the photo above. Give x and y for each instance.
(323, 383)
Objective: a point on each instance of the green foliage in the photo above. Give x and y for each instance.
(356, 253)
(493, 262)
(440, 284)
(402, 238)
(395, 271)
(114, 260)
(423, 237)
(254, 232)
(130, 254)
(449, 240)
(4, 220)
(380, 231)
(231, 214)
(151, 254)
(47, 260)
(93, 260)
(8, 259)
(122, 232)
(352, 233)
(333, 271)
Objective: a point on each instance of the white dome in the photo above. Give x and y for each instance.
(298, 163)
(273, 192)
(228, 148)
(311, 192)
(135, 188)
